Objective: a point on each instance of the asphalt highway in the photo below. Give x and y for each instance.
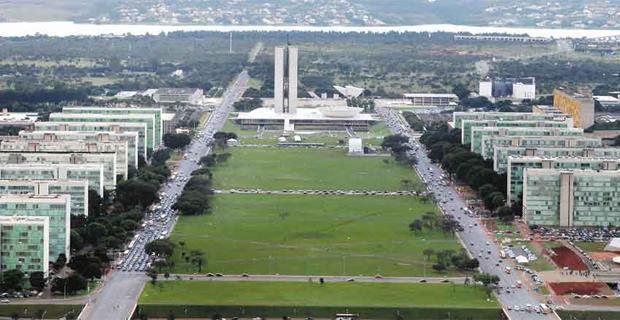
(474, 237)
(120, 292)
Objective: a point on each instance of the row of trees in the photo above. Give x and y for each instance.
(414, 121)
(445, 259)
(469, 167)
(176, 140)
(248, 104)
(110, 223)
(433, 221)
(368, 105)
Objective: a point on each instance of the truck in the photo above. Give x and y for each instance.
(508, 270)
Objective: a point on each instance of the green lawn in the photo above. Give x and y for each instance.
(310, 235)
(313, 294)
(373, 137)
(28, 311)
(296, 168)
(591, 246)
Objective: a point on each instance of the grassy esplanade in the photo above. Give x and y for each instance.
(202, 299)
(313, 294)
(275, 168)
(310, 235)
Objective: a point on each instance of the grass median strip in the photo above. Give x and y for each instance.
(310, 235)
(300, 294)
(276, 169)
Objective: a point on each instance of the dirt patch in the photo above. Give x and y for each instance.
(582, 288)
(566, 258)
(603, 256)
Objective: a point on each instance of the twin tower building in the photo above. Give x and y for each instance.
(285, 80)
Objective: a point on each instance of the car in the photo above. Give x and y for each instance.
(423, 281)
(445, 281)
(245, 275)
(350, 280)
(219, 275)
(210, 274)
(5, 301)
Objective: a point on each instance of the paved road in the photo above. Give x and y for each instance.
(120, 293)
(292, 278)
(478, 242)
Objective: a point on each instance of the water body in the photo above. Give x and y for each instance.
(66, 28)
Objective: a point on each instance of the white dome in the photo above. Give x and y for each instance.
(340, 112)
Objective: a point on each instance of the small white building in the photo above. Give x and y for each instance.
(356, 146)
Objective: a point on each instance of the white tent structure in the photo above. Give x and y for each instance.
(522, 260)
(613, 245)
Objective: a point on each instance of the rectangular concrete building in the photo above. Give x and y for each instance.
(77, 189)
(115, 127)
(518, 164)
(152, 141)
(119, 149)
(130, 138)
(469, 125)
(458, 117)
(579, 106)
(431, 99)
(480, 133)
(93, 173)
(56, 207)
(571, 198)
(157, 112)
(491, 143)
(500, 160)
(25, 244)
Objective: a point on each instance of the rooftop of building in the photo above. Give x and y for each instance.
(304, 114)
(52, 166)
(176, 91)
(24, 220)
(78, 133)
(77, 124)
(6, 116)
(43, 181)
(586, 172)
(564, 159)
(574, 93)
(523, 80)
(606, 99)
(113, 108)
(31, 198)
(492, 129)
(138, 116)
(430, 95)
(63, 145)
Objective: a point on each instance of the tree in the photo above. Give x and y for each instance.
(37, 280)
(152, 273)
(439, 267)
(197, 258)
(428, 253)
(12, 280)
(416, 225)
(160, 247)
(461, 91)
(94, 203)
(486, 279)
(505, 214)
(176, 140)
(71, 284)
(136, 192)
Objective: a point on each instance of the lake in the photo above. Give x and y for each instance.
(66, 28)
